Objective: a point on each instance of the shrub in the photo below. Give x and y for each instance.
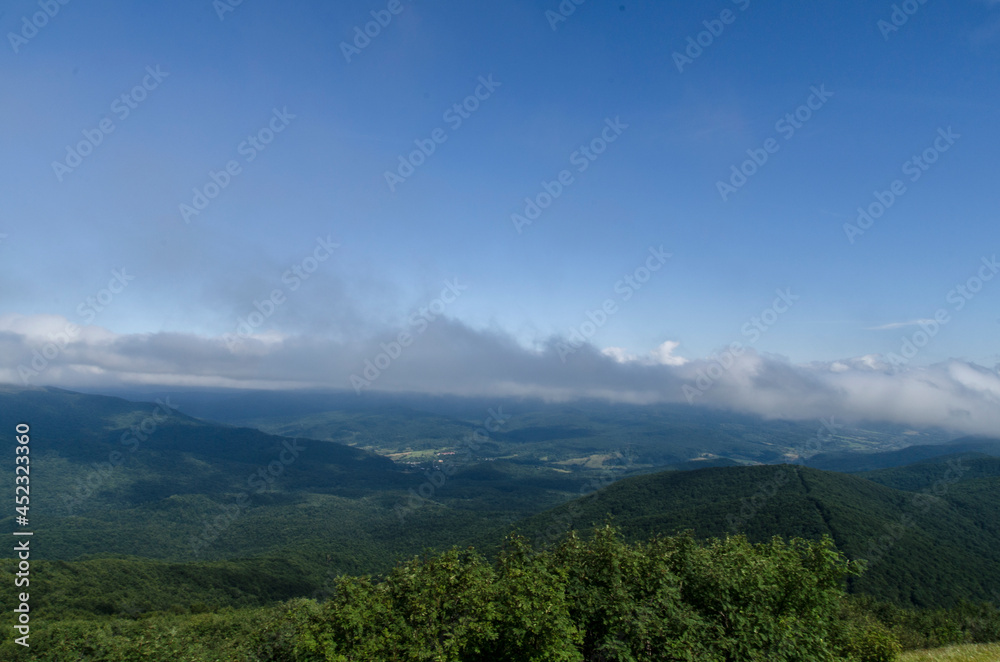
(596, 599)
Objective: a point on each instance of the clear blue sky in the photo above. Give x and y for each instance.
(656, 184)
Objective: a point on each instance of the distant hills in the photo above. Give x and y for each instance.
(933, 474)
(854, 462)
(558, 435)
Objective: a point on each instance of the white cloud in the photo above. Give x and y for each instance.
(451, 358)
(662, 355)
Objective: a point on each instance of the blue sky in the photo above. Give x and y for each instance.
(324, 174)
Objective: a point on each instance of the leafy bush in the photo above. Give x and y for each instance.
(863, 638)
(671, 598)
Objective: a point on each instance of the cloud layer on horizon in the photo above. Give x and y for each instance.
(450, 358)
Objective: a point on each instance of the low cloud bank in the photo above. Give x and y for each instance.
(448, 357)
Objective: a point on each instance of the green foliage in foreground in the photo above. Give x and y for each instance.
(585, 599)
(265, 634)
(599, 599)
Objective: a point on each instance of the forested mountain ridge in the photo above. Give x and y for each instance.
(935, 543)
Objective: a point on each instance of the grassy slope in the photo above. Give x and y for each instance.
(969, 653)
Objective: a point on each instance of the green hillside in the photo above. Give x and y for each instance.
(130, 587)
(923, 549)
